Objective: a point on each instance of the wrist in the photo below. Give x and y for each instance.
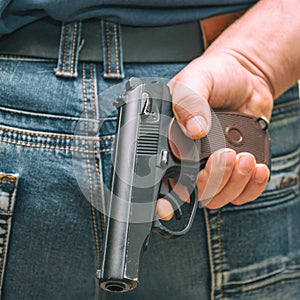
(266, 41)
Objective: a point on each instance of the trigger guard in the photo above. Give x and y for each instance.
(158, 227)
(173, 198)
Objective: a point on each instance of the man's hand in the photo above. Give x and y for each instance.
(251, 63)
(221, 80)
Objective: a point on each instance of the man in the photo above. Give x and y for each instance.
(238, 248)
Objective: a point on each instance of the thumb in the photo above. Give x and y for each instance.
(190, 108)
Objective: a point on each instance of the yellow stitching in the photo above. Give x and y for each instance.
(213, 267)
(113, 73)
(5, 238)
(6, 176)
(73, 48)
(109, 71)
(93, 92)
(97, 241)
(75, 137)
(102, 216)
(90, 172)
(4, 243)
(220, 252)
(95, 227)
(85, 98)
(8, 141)
(108, 47)
(65, 48)
(5, 56)
(116, 50)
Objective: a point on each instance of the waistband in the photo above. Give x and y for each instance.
(112, 44)
(177, 43)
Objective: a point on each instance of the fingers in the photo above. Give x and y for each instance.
(255, 186)
(180, 190)
(242, 169)
(227, 178)
(236, 181)
(164, 209)
(191, 110)
(217, 172)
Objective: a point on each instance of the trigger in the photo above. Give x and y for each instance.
(173, 198)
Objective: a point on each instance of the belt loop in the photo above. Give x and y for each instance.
(112, 50)
(69, 47)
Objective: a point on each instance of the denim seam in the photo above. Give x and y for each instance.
(215, 250)
(3, 252)
(271, 281)
(53, 116)
(220, 253)
(284, 271)
(5, 235)
(74, 39)
(108, 48)
(53, 147)
(67, 30)
(211, 254)
(289, 156)
(13, 179)
(54, 136)
(288, 104)
(50, 141)
(99, 179)
(93, 100)
(97, 166)
(94, 219)
(10, 56)
(94, 213)
(116, 49)
(284, 115)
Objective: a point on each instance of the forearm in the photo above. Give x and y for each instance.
(266, 40)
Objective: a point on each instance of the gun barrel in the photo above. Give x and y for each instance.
(114, 259)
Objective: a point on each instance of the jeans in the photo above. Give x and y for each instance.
(53, 177)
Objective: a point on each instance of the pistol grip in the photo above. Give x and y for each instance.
(240, 132)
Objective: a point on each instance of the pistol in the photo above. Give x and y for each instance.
(150, 149)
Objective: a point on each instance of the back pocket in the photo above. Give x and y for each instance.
(8, 187)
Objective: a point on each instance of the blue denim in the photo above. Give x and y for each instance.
(112, 54)
(8, 188)
(18, 13)
(69, 50)
(57, 165)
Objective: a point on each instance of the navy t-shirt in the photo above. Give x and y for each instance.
(16, 13)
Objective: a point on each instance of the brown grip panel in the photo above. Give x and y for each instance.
(242, 133)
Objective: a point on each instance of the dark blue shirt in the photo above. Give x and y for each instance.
(16, 13)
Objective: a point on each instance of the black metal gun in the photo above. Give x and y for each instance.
(150, 147)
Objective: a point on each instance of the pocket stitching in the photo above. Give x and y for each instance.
(11, 178)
